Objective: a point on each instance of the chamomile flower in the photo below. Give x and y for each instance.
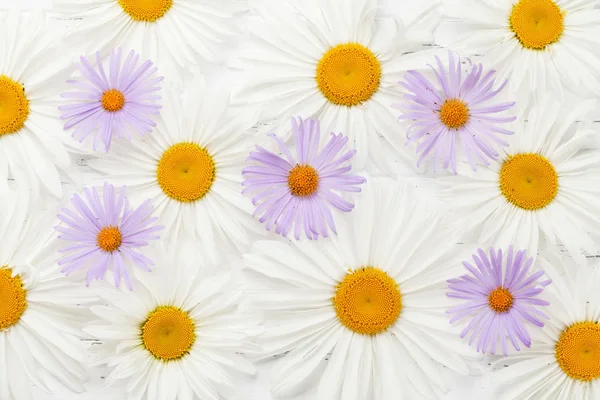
(542, 46)
(337, 62)
(172, 33)
(106, 232)
(119, 104)
(564, 359)
(180, 337)
(296, 192)
(41, 310)
(455, 110)
(31, 145)
(190, 168)
(501, 301)
(372, 296)
(546, 184)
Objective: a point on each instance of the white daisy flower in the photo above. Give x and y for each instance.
(179, 337)
(541, 46)
(373, 297)
(191, 169)
(171, 33)
(564, 359)
(31, 145)
(335, 61)
(40, 320)
(546, 184)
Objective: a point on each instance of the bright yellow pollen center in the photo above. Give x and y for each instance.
(303, 180)
(109, 239)
(454, 113)
(367, 301)
(13, 298)
(578, 351)
(14, 106)
(186, 172)
(113, 100)
(348, 74)
(146, 10)
(168, 333)
(500, 300)
(528, 181)
(537, 23)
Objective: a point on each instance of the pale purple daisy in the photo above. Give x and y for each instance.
(499, 300)
(105, 232)
(455, 109)
(298, 192)
(119, 104)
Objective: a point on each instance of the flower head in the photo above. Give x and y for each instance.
(105, 231)
(455, 108)
(115, 105)
(297, 192)
(498, 299)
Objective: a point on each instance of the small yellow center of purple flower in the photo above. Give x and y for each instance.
(14, 106)
(454, 113)
(529, 181)
(146, 10)
(578, 351)
(537, 23)
(168, 333)
(13, 298)
(367, 301)
(348, 74)
(113, 100)
(303, 180)
(500, 300)
(109, 239)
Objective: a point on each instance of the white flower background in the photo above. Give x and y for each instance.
(477, 386)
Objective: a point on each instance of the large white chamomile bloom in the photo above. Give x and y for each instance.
(564, 359)
(171, 33)
(180, 336)
(190, 167)
(541, 46)
(338, 62)
(372, 296)
(31, 135)
(546, 184)
(40, 316)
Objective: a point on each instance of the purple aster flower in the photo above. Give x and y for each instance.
(455, 108)
(298, 192)
(106, 231)
(498, 300)
(115, 105)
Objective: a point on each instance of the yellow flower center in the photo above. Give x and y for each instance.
(13, 298)
(528, 181)
(578, 351)
(537, 23)
(109, 239)
(454, 113)
(168, 333)
(146, 10)
(113, 100)
(348, 74)
(14, 106)
(500, 300)
(367, 301)
(186, 172)
(303, 180)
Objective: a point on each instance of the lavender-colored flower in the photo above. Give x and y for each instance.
(455, 109)
(115, 105)
(105, 231)
(297, 193)
(498, 300)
